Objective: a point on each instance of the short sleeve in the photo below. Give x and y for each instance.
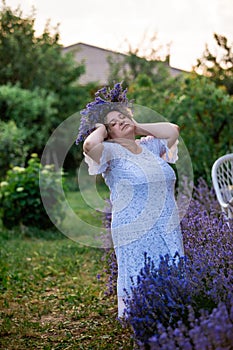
(95, 168)
(160, 148)
(171, 154)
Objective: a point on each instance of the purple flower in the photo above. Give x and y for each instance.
(105, 100)
(187, 305)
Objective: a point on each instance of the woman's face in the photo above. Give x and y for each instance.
(119, 125)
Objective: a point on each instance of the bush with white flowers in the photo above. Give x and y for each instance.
(20, 195)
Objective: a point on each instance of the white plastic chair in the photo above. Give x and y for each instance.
(222, 178)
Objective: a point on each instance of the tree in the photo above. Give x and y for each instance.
(38, 82)
(204, 113)
(218, 66)
(148, 58)
(13, 149)
(33, 61)
(37, 62)
(31, 110)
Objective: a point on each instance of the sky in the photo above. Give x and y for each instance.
(186, 25)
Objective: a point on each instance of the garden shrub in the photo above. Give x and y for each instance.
(32, 111)
(13, 150)
(20, 195)
(209, 331)
(204, 113)
(179, 296)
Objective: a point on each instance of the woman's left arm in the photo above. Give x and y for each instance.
(162, 130)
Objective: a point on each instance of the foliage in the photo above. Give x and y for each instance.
(204, 113)
(149, 58)
(13, 149)
(34, 62)
(161, 295)
(21, 202)
(156, 70)
(37, 64)
(202, 110)
(31, 111)
(36, 115)
(165, 296)
(155, 95)
(218, 65)
(206, 332)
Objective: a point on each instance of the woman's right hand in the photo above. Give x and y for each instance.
(93, 143)
(138, 129)
(102, 129)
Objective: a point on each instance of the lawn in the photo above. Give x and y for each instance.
(51, 297)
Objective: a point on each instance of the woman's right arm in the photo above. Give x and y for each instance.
(93, 146)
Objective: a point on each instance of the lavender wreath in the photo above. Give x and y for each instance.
(106, 99)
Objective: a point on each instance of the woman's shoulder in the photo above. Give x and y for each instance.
(160, 148)
(107, 154)
(149, 141)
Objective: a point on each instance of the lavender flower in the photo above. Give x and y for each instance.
(188, 305)
(95, 111)
(209, 331)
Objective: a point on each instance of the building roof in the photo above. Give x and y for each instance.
(80, 44)
(95, 59)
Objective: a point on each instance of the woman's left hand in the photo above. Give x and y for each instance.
(138, 128)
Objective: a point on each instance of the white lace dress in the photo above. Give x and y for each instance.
(144, 212)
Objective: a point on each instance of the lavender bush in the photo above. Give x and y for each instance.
(178, 302)
(209, 331)
(186, 304)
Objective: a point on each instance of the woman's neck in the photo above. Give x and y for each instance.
(128, 143)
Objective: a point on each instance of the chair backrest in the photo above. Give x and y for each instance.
(222, 178)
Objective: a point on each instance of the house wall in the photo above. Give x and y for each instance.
(96, 62)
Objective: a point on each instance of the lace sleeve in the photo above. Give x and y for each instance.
(95, 168)
(171, 154)
(160, 148)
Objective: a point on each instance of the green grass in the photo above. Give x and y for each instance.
(51, 298)
(84, 222)
(86, 212)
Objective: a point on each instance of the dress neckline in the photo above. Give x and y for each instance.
(134, 154)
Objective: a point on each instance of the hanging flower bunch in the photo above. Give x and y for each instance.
(105, 100)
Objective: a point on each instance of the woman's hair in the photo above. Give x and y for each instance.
(118, 107)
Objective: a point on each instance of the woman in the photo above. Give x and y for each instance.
(141, 183)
